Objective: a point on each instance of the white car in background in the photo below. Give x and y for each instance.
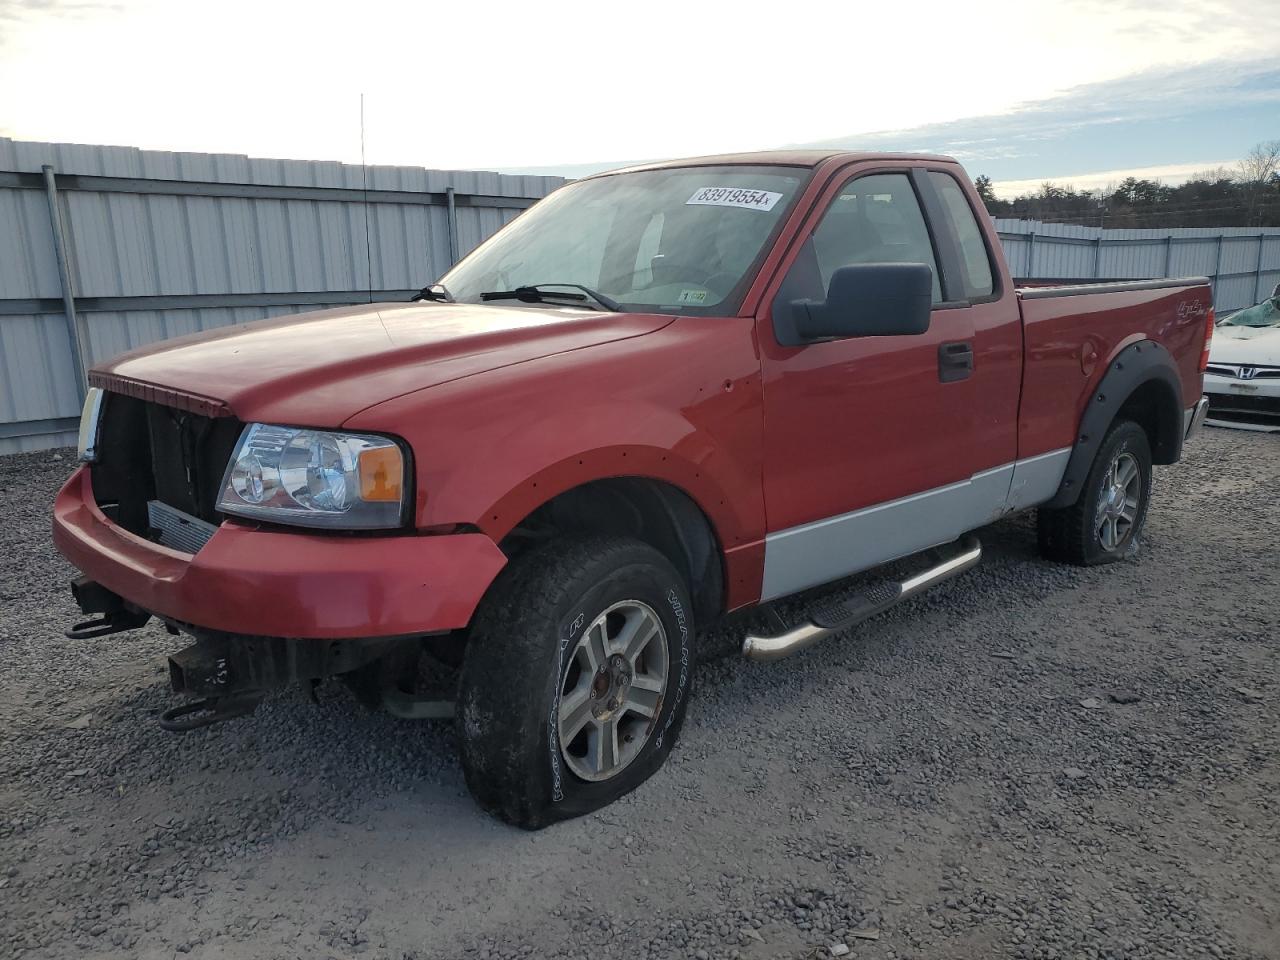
(1243, 376)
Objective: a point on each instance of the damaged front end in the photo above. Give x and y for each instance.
(268, 605)
(227, 674)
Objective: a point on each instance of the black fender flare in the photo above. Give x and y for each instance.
(1132, 368)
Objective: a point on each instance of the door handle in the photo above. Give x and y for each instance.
(955, 361)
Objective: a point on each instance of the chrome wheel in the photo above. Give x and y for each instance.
(1119, 501)
(612, 690)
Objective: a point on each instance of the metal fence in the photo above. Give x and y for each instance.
(103, 249)
(1242, 262)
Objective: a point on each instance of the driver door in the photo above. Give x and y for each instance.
(872, 444)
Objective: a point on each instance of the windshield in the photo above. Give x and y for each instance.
(679, 240)
(1265, 314)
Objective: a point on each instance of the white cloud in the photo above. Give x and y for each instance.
(507, 84)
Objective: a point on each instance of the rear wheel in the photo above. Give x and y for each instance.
(1105, 523)
(575, 679)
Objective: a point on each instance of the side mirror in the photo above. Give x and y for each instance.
(869, 300)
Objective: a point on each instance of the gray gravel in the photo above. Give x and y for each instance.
(1033, 761)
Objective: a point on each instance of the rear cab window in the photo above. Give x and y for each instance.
(976, 274)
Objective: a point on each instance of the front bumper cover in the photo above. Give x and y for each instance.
(274, 583)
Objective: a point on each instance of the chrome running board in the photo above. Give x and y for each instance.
(832, 617)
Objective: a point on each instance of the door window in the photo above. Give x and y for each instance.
(875, 219)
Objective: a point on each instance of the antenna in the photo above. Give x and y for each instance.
(368, 249)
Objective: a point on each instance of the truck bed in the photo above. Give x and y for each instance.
(1072, 329)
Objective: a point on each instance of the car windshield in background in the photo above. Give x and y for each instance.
(678, 240)
(1265, 314)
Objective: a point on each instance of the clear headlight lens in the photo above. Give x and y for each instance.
(315, 478)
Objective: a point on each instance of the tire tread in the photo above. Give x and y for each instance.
(1066, 534)
(508, 640)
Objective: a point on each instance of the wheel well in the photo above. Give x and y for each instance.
(1154, 407)
(652, 511)
(1145, 375)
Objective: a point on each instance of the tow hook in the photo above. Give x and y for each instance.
(117, 615)
(107, 624)
(207, 711)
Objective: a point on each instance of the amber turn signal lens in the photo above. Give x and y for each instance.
(381, 474)
(1209, 321)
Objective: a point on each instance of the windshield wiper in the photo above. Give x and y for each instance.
(437, 293)
(533, 293)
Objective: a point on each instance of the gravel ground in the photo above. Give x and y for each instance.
(1033, 761)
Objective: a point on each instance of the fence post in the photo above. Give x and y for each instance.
(1168, 254)
(1257, 273)
(64, 277)
(1097, 256)
(1031, 254)
(453, 226)
(1217, 268)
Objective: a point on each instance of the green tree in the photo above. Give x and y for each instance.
(983, 185)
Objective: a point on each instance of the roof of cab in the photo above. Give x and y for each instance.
(781, 158)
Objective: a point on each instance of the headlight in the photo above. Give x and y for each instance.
(314, 478)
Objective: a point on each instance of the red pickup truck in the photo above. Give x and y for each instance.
(661, 395)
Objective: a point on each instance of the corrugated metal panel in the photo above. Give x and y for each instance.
(27, 265)
(1228, 255)
(123, 244)
(35, 365)
(41, 441)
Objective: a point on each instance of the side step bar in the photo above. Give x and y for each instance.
(840, 615)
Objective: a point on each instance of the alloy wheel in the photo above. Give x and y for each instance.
(612, 690)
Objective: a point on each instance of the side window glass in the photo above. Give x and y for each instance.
(978, 278)
(875, 219)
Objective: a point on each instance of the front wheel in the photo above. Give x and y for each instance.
(575, 679)
(1105, 523)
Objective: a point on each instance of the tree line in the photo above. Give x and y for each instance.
(1247, 195)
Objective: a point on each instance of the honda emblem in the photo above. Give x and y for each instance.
(1246, 373)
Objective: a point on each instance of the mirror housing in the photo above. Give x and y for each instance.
(869, 300)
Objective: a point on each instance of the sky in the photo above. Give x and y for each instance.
(1081, 91)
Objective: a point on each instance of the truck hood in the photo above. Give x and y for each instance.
(1254, 346)
(320, 368)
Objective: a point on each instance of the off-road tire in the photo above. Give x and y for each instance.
(1070, 534)
(515, 666)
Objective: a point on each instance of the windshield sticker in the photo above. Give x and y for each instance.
(692, 296)
(734, 197)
